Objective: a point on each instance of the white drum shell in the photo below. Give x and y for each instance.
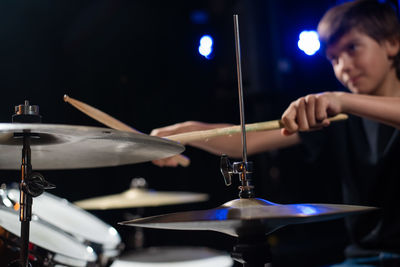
(65, 249)
(73, 220)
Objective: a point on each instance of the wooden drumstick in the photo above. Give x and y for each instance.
(113, 123)
(252, 127)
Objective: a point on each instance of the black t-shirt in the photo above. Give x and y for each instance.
(365, 156)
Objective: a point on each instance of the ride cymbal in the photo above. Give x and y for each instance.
(55, 146)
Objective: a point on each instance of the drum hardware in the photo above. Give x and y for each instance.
(244, 170)
(32, 183)
(251, 252)
(248, 218)
(136, 241)
(4, 198)
(136, 238)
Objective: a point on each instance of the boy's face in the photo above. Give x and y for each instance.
(362, 64)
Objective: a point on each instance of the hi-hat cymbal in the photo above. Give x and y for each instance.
(135, 198)
(55, 146)
(247, 215)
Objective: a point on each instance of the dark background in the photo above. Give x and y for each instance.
(138, 62)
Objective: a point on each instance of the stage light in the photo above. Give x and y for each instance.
(206, 46)
(309, 42)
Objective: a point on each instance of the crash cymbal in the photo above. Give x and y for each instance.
(56, 146)
(135, 198)
(246, 215)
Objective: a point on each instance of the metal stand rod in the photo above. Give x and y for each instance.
(32, 184)
(246, 190)
(240, 86)
(25, 200)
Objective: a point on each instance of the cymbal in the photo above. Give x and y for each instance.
(56, 146)
(135, 198)
(247, 215)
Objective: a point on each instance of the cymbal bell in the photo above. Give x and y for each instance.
(245, 215)
(56, 146)
(135, 198)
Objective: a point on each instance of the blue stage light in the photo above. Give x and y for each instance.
(309, 42)
(206, 46)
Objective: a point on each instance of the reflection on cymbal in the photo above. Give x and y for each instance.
(56, 146)
(247, 215)
(135, 198)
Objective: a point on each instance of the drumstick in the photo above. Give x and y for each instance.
(113, 123)
(252, 127)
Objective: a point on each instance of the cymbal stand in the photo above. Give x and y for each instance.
(244, 168)
(138, 238)
(32, 183)
(252, 249)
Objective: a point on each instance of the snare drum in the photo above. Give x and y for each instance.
(84, 226)
(48, 245)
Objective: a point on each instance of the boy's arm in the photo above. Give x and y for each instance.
(311, 112)
(380, 108)
(230, 145)
(257, 142)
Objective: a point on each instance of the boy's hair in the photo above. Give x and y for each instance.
(377, 20)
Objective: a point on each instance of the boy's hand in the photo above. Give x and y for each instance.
(167, 162)
(178, 128)
(310, 112)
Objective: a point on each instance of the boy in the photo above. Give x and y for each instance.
(362, 41)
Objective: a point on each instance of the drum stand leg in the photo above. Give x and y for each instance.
(252, 251)
(32, 185)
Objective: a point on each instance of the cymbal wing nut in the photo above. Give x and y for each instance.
(226, 169)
